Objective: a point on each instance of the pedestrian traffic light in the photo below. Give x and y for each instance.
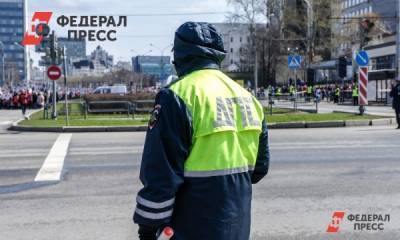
(342, 69)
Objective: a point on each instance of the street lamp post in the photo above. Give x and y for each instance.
(3, 74)
(27, 63)
(162, 50)
(310, 18)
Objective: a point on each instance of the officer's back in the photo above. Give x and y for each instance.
(207, 144)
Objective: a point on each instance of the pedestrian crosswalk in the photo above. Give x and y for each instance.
(45, 153)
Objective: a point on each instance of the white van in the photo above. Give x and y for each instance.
(119, 89)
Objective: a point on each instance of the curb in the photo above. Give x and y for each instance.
(326, 124)
(357, 123)
(78, 129)
(285, 125)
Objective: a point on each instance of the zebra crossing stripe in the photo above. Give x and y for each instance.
(54, 163)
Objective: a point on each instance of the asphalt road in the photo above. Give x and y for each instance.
(314, 172)
(7, 117)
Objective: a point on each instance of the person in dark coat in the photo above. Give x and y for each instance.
(395, 94)
(206, 144)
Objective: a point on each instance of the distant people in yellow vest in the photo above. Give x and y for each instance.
(278, 93)
(355, 95)
(337, 95)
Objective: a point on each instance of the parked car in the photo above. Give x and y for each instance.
(119, 89)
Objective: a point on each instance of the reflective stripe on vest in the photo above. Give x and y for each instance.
(226, 124)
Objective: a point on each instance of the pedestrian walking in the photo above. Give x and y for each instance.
(206, 144)
(395, 94)
(23, 98)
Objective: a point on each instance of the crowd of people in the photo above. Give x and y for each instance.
(31, 98)
(21, 98)
(330, 93)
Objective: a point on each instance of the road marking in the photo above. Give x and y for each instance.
(5, 123)
(54, 163)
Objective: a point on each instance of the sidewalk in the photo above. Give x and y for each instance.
(324, 107)
(8, 117)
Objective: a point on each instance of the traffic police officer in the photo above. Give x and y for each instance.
(337, 95)
(355, 95)
(395, 94)
(207, 143)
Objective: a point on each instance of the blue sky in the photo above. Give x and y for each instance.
(141, 31)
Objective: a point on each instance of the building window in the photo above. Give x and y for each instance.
(231, 61)
(231, 50)
(231, 39)
(240, 39)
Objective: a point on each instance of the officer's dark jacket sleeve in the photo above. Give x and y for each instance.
(167, 145)
(263, 156)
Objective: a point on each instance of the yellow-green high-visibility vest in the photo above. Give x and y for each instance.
(355, 92)
(227, 122)
(309, 90)
(337, 92)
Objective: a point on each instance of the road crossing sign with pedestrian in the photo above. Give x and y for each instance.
(362, 58)
(294, 62)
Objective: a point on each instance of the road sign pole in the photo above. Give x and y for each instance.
(65, 88)
(363, 89)
(52, 50)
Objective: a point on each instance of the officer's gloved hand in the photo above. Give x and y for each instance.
(147, 233)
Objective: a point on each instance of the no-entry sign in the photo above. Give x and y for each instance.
(54, 72)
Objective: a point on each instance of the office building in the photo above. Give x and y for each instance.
(158, 66)
(75, 48)
(12, 25)
(350, 9)
(236, 37)
(100, 55)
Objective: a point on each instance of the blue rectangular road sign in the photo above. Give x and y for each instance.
(294, 62)
(362, 58)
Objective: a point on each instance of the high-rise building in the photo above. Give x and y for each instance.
(386, 10)
(100, 55)
(75, 48)
(12, 25)
(159, 66)
(236, 37)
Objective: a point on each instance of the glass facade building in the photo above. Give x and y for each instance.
(158, 66)
(12, 25)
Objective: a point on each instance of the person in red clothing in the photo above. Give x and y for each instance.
(23, 100)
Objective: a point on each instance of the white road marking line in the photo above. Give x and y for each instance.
(5, 123)
(54, 163)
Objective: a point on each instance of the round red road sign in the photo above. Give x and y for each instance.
(54, 72)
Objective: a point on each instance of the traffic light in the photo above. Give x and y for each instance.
(342, 69)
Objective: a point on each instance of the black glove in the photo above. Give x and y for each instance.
(147, 233)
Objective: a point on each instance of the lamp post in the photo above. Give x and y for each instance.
(310, 19)
(27, 63)
(3, 74)
(162, 50)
